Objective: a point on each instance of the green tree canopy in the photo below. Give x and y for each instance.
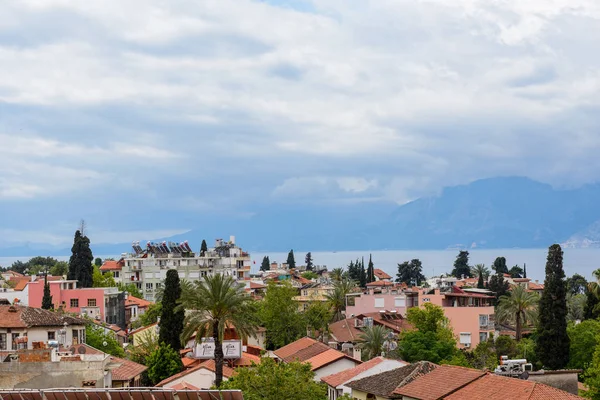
(411, 272)
(163, 363)
(214, 304)
(203, 248)
(47, 299)
(171, 318)
(498, 285)
(132, 289)
(308, 261)
(266, 264)
(552, 339)
(371, 340)
(291, 261)
(584, 337)
(432, 340)
(80, 263)
(516, 272)
(337, 274)
(280, 316)
(591, 377)
(576, 284)
(151, 315)
(275, 381)
(499, 265)
(337, 298)
(96, 337)
(576, 307)
(98, 262)
(317, 317)
(101, 280)
(482, 273)
(461, 265)
(310, 275)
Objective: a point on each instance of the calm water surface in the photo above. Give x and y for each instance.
(582, 261)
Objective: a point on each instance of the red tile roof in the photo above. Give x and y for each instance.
(344, 376)
(189, 362)
(535, 286)
(24, 317)
(21, 283)
(344, 330)
(127, 371)
(256, 285)
(494, 387)
(326, 358)
(291, 349)
(439, 382)
(247, 359)
(111, 265)
(381, 274)
(385, 384)
(141, 303)
(380, 284)
(208, 364)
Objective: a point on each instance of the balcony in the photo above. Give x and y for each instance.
(488, 327)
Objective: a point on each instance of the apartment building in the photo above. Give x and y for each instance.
(147, 267)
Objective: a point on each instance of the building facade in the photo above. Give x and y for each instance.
(147, 268)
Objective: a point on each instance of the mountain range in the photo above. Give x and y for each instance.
(506, 212)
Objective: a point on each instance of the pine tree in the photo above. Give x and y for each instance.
(203, 248)
(370, 270)
(291, 262)
(498, 285)
(80, 263)
(171, 321)
(461, 265)
(47, 299)
(552, 344)
(308, 261)
(266, 264)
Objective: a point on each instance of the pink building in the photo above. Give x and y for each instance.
(102, 304)
(471, 315)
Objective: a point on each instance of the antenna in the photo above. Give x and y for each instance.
(82, 227)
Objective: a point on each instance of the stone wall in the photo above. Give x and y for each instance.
(564, 380)
(43, 375)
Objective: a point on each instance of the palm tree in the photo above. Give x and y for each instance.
(372, 339)
(212, 305)
(480, 270)
(337, 274)
(518, 307)
(337, 298)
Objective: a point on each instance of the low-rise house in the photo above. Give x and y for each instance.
(382, 296)
(201, 376)
(128, 374)
(323, 359)
(428, 381)
(134, 307)
(346, 333)
(312, 293)
(144, 333)
(380, 275)
(115, 268)
(336, 383)
(114, 330)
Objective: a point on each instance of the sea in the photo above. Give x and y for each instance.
(435, 262)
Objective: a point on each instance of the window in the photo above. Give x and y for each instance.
(74, 303)
(2, 341)
(465, 339)
(305, 292)
(400, 302)
(149, 286)
(483, 336)
(51, 335)
(379, 302)
(116, 274)
(91, 302)
(368, 321)
(14, 337)
(483, 320)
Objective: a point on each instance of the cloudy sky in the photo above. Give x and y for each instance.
(122, 111)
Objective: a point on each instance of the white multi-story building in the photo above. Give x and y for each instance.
(147, 268)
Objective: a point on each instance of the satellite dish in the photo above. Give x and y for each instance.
(81, 350)
(524, 376)
(104, 343)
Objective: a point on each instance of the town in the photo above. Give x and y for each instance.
(169, 319)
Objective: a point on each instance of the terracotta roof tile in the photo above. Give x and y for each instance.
(344, 330)
(386, 383)
(494, 387)
(439, 382)
(208, 364)
(344, 376)
(380, 284)
(21, 284)
(141, 303)
(127, 371)
(381, 274)
(247, 359)
(256, 285)
(22, 317)
(111, 265)
(325, 358)
(294, 347)
(189, 362)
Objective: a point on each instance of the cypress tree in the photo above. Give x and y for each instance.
(291, 262)
(362, 273)
(308, 261)
(203, 248)
(480, 284)
(552, 344)
(80, 263)
(370, 270)
(171, 321)
(266, 264)
(47, 299)
(524, 270)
